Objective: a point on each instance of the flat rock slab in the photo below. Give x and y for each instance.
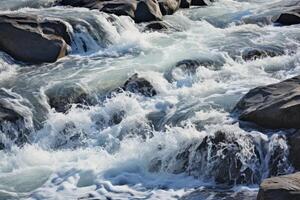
(280, 188)
(273, 106)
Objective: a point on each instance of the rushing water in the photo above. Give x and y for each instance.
(163, 147)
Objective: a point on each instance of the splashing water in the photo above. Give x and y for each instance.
(182, 143)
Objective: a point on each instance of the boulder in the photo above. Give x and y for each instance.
(119, 8)
(272, 106)
(200, 2)
(219, 157)
(15, 119)
(138, 10)
(259, 53)
(189, 67)
(61, 97)
(147, 10)
(294, 144)
(280, 188)
(156, 26)
(288, 18)
(185, 3)
(135, 84)
(33, 39)
(169, 7)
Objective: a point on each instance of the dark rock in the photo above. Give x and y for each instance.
(294, 144)
(273, 106)
(200, 2)
(257, 53)
(139, 10)
(190, 66)
(280, 188)
(61, 97)
(119, 8)
(168, 7)
(15, 119)
(289, 18)
(26, 38)
(139, 85)
(147, 10)
(156, 26)
(215, 158)
(185, 3)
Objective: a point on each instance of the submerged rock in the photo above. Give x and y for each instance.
(280, 188)
(259, 53)
(15, 119)
(189, 67)
(156, 26)
(135, 84)
(289, 18)
(61, 97)
(32, 39)
(273, 106)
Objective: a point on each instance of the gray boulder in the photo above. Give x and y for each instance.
(273, 106)
(289, 18)
(280, 188)
(169, 7)
(33, 39)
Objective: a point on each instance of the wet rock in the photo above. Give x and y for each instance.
(185, 3)
(61, 97)
(26, 38)
(256, 53)
(156, 26)
(140, 11)
(200, 2)
(119, 8)
(147, 10)
(189, 67)
(280, 188)
(15, 119)
(294, 143)
(135, 84)
(289, 18)
(225, 158)
(168, 7)
(273, 106)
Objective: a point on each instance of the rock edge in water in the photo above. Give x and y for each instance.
(280, 188)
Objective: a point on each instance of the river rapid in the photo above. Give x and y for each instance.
(128, 146)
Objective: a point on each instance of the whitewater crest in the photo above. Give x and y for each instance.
(133, 113)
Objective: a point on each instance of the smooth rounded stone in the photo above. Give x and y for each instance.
(259, 53)
(185, 3)
(120, 8)
(294, 144)
(26, 38)
(61, 97)
(273, 106)
(138, 85)
(280, 188)
(147, 10)
(289, 18)
(201, 2)
(168, 7)
(156, 26)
